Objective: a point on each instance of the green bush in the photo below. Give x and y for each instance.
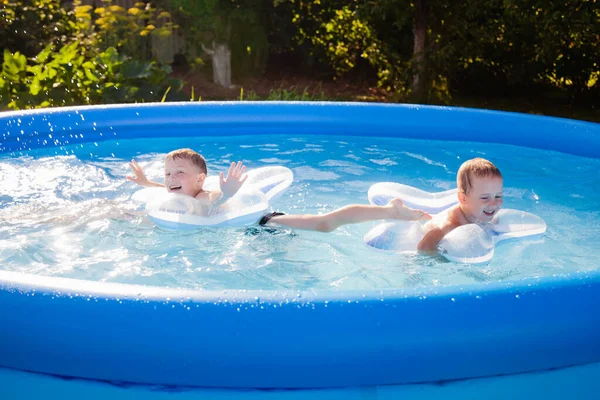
(94, 65)
(69, 77)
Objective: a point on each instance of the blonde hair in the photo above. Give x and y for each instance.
(190, 155)
(475, 168)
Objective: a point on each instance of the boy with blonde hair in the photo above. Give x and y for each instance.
(185, 173)
(480, 187)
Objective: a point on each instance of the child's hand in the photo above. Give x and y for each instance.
(140, 177)
(234, 181)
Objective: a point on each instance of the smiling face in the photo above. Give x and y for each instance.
(182, 176)
(484, 199)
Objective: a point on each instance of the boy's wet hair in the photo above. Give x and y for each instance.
(475, 168)
(190, 155)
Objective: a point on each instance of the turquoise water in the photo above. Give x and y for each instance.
(66, 212)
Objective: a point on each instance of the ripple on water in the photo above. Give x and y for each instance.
(69, 215)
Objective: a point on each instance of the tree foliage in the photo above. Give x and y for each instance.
(94, 58)
(29, 26)
(241, 24)
(492, 47)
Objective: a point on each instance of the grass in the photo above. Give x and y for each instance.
(285, 94)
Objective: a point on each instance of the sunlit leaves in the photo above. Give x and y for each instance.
(66, 78)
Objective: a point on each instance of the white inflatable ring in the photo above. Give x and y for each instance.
(468, 244)
(381, 193)
(250, 203)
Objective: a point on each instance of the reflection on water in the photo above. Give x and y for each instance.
(70, 215)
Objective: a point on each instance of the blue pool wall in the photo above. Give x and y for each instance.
(63, 126)
(293, 339)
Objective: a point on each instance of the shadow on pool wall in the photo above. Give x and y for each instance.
(268, 339)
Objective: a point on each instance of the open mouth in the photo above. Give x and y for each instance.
(489, 213)
(174, 188)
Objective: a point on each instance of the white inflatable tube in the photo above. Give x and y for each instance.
(381, 193)
(181, 212)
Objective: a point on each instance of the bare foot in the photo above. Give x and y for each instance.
(406, 213)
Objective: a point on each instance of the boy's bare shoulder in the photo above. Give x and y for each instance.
(447, 220)
(455, 217)
(204, 197)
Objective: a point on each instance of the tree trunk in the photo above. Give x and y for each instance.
(221, 63)
(420, 84)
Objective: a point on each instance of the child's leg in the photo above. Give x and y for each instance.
(351, 214)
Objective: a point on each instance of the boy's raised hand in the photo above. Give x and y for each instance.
(139, 175)
(233, 181)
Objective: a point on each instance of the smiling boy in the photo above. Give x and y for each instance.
(185, 173)
(480, 186)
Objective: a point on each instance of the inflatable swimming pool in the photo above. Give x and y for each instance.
(289, 339)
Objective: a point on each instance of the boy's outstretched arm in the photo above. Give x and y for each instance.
(140, 177)
(351, 214)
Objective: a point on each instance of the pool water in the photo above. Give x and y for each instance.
(66, 212)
